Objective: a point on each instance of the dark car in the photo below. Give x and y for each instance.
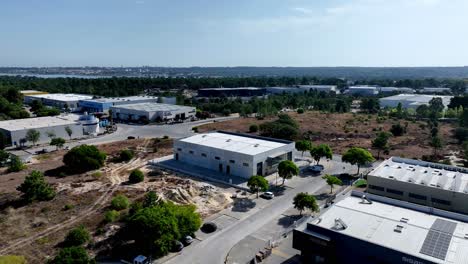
(130, 137)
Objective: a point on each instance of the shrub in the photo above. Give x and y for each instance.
(15, 164)
(68, 207)
(253, 128)
(126, 155)
(300, 110)
(111, 216)
(35, 188)
(120, 202)
(84, 158)
(76, 255)
(12, 259)
(77, 237)
(360, 183)
(136, 176)
(398, 130)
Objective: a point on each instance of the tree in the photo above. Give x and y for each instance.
(357, 156)
(332, 180)
(287, 169)
(381, 142)
(3, 157)
(422, 111)
(397, 130)
(370, 105)
(84, 158)
(120, 202)
(300, 110)
(15, 164)
(35, 188)
(136, 176)
(320, 151)
(33, 136)
(77, 237)
(304, 201)
(111, 216)
(57, 142)
(303, 146)
(69, 131)
(253, 128)
(436, 105)
(126, 155)
(463, 119)
(257, 183)
(151, 199)
(436, 144)
(75, 255)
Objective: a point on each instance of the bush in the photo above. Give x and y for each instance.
(253, 128)
(136, 176)
(120, 202)
(195, 129)
(68, 207)
(84, 158)
(360, 183)
(12, 259)
(126, 155)
(77, 255)
(111, 216)
(398, 130)
(35, 188)
(77, 237)
(15, 164)
(300, 110)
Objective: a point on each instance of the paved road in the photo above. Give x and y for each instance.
(215, 248)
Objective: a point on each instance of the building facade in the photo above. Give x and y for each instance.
(152, 112)
(235, 154)
(102, 105)
(363, 90)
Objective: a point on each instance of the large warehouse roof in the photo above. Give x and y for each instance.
(121, 99)
(427, 236)
(154, 107)
(434, 175)
(230, 89)
(235, 142)
(417, 99)
(38, 122)
(62, 97)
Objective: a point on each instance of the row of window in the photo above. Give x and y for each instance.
(216, 157)
(411, 195)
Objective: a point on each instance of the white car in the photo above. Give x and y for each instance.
(268, 195)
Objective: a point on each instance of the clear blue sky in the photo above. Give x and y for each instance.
(234, 33)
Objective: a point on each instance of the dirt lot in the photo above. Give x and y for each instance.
(35, 230)
(342, 131)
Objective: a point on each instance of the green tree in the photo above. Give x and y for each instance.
(69, 131)
(84, 158)
(151, 199)
(357, 156)
(287, 169)
(463, 119)
(253, 128)
(3, 157)
(436, 144)
(33, 136)
(304, 201)
(370, 105)
(381, 142)
(136, 176)
(303, 146)
(77, 237)
(57, 142)
(75, 255)
(257, 183)
(15, 164)
(332, 180)
(436, 106)
(35, 188)
(422, 111)
(397, 130)
(321, 151)
(120, 202)
(126, 155)
(111, 216)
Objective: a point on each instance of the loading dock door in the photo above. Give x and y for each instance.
(221, 168)
(228, 169)
(260, 168)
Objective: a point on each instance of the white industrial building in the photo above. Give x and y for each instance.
(16, 130)
(104, 104)
(412, 100)
(302, 89)
(150, 112)
(390, 90)
(59, 100)
(235, 154)
(363, 90)
(436, 90)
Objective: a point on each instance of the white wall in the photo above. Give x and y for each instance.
(59, 131)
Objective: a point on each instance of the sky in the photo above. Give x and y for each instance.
(182, 33)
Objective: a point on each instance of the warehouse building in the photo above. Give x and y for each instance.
(396, 90)
(436, 90)
(61, 101)
(232, 92)
(374, 229)
(31, 92)
(411, 100)
(302, 89)
(431, 184)
(152, 112)
(235, 154)
(15, 130)
(363, 90)
(102, 105)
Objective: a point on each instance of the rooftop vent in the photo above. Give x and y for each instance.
(466, 236)
(404, 220)
(229, 140)
(398, 228)
(203, 136)
(365, 200)
(340, 224)
(391, 177)
(256, 145)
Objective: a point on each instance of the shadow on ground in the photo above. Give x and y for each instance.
(288, 220)
(243, 205)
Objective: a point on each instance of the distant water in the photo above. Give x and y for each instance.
(54, 75)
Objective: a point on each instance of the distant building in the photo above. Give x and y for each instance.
(235, 154)
(102, 105)
(363, 90)
(232, 92)
(390, 90)
(378, 229)
(15, 130)
(32, 92)
(150, 112)
(436, 90)
(412, 100)
(431, 184)
(59, 100)
(302, 89)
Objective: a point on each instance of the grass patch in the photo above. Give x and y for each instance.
(360, 183)
(43, 157)
(43, 240)
(97, 175)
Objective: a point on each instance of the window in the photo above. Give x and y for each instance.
(179, 149)
(378, 188)
(232, 161)
(397, 192)
(191, 151)
(417, 196)
(245, 164)
(440, 201)
(203, 155)
(217, 158)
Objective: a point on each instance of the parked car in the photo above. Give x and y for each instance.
(130, 137)
(268, 195)
(316, 168)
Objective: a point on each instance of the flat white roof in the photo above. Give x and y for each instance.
(31, 91)
(153, 107)
(39, 122)
(433, 175)
(234, 143)
(376, 222)
(363, 87)
(121, 99)
(235, 88)
(62, 97)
